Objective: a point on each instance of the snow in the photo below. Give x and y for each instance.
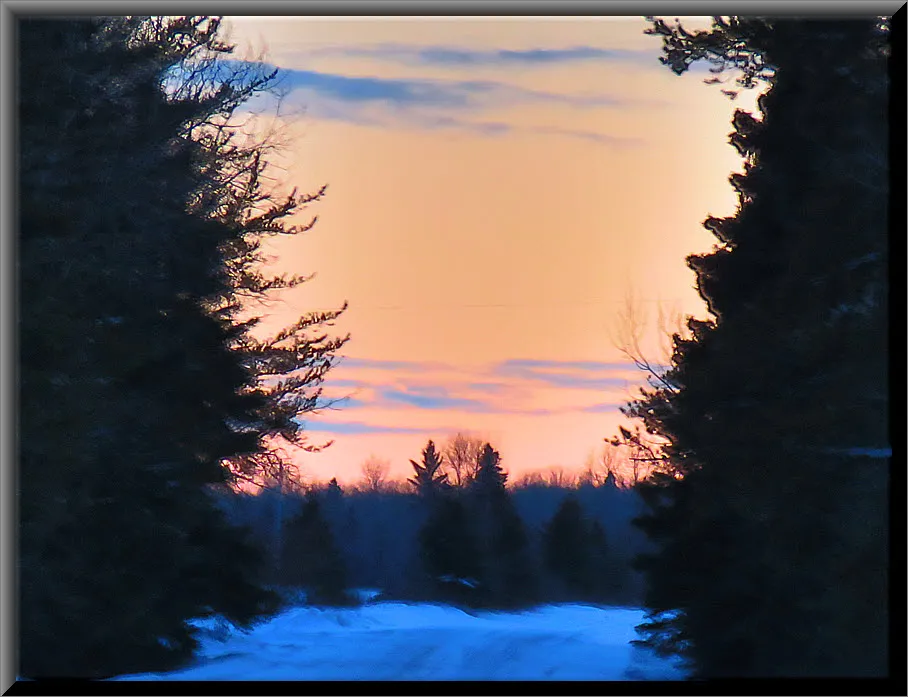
(422, 641)
(873, 453)
(879, 453)
(468, 582)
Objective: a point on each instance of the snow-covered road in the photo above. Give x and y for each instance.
(401, 641)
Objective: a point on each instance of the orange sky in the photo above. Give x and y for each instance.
(496, 188)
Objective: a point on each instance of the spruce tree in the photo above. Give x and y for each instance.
(449, 551)
(769, 514)
(312, 560)
(509, 577)
(490, 476)
(130, 393)
(289, 366)
(428, 480)
(574, 550)
(332, 497)
(609, 574)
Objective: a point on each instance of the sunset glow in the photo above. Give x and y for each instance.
(496, 187)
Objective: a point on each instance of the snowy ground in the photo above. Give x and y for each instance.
(402, 641)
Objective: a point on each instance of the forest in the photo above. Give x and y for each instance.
(152, 411)
(428, 540)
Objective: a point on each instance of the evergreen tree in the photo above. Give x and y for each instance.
(609, 573)
(288, 367)
(490, 476)
(769, 514)
(311, 557)
(449, 551)
(337, 512)
(130, 393)
(334, 490)
(333, 498)
(574, 550)
(428, 480)
(508, 574)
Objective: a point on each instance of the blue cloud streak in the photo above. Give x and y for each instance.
(401, 366)
(417, 103)
(564, 365)
(458, 94)
(539, 371)
(446, 56)
(604, 408)
(585, 375)
(358, 427)
(437, 401)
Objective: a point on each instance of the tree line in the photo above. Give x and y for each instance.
(459, 456)
(479, 544)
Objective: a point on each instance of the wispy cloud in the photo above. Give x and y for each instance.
(459, 94)
(458, 57)
(434, 122)
(492, 387)
(348, 403)
(335, 382)
(348, 88)
(515, 387)
(370, 363)
(594, 366)
(358, 427)
(432, 104)
(566, 374)
(439, 400)
(603, 408)
(591, 136)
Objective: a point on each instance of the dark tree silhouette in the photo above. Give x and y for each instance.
(130, 392)
(312, 560)
(428, 479)
(575, 552)
(769, 515)
(450, 553)
(509, 577)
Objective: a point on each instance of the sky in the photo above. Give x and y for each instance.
(497, 189)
